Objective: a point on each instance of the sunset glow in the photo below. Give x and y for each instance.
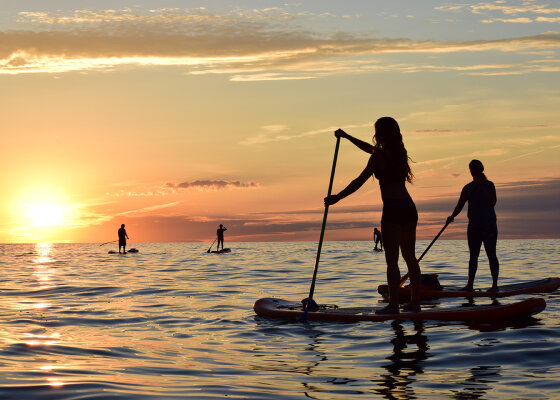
(174, 117)
(45, 215)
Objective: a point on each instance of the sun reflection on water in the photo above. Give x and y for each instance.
(42, 272)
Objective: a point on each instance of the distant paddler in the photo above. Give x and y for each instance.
(220, 235)
(378, 240)
(122, 239)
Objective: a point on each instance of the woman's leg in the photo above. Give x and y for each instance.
(408, 250)
(490, 246)
(474, 240)
(391, 237)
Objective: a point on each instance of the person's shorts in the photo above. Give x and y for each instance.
(122, 242)
(399, 212)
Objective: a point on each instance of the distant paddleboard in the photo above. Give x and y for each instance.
(126, 252)
(278, 308)
(226, 250)
(374, 249)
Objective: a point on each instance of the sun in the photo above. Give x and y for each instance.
(45, 214)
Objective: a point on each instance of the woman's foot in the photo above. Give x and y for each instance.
(494, 289)
(412, 307)
(467, 288)
(390, 309)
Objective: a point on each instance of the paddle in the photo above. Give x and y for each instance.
(312, 288)
(405, 277)
(113, 241)
(211, 245)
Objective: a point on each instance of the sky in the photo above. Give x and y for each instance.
(173, 117)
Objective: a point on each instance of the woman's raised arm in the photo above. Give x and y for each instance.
(368, 148)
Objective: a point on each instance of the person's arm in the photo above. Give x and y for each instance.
(368, 148)
(459, 206)
(352, 186)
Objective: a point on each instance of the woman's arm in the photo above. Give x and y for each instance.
(459, 206)
(352, 186)
(368, 148)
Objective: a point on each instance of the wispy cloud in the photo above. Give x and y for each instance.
(525, 13)
(212, 185)
(272, 136)
(148, 209)
(132, 189)
(247, 45)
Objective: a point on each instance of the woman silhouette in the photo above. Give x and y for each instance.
(482, 228)
(389, 164)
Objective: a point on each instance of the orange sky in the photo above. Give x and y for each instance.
(173, 118)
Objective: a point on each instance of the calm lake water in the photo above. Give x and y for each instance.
(175, 322)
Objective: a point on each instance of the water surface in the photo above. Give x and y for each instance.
(175, 322)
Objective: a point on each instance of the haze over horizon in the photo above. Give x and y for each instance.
(176, 116)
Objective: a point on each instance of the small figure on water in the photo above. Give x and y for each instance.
(220, 233)
(122, 239)
(482, 227)
(378, 240)
(389, 164)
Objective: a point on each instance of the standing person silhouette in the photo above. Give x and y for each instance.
(122, 238)
(482, 228)
(389, 164)
(220, 233)
(377, 238)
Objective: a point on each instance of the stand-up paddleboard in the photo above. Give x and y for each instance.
(539, 286)
(226, 250)
(378, 249)
(278, 308)
(126, 252)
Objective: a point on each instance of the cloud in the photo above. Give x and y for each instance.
(248, 45)
(212, 185)
(520, 20)
(148, 209)
(527, 8)
(267, 137)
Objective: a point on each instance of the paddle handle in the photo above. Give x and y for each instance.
(208, 251)
(405, 277)
(312, 288)
(112, 241)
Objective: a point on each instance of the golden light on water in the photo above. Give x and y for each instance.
(42, 272)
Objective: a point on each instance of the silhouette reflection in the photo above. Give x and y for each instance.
(409, 350)
(479, 383)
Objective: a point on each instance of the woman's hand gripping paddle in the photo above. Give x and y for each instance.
(312, 288)
(405, 277)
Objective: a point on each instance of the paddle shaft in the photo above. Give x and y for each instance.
(312, 288)
(405, 277)
(212, 245)
(112, 241)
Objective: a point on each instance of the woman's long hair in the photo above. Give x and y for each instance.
(388, 132)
